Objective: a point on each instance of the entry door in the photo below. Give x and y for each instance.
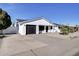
(30, 29)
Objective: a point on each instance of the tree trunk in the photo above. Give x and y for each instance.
(1, 32)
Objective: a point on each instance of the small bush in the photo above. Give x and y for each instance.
(71, 30)
(65, 30)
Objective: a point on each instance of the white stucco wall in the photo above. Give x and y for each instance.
(22, 29)
(43, 31)
(55, 29)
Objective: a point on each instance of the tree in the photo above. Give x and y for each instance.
(5, 20)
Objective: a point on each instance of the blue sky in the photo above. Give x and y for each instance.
(57, 13)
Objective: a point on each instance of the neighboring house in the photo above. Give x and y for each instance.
(10, 30)
(36, 26)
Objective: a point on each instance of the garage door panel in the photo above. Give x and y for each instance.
(30, 29)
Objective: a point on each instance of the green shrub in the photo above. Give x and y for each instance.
(65, 30)
(68, 29)
(71, 30)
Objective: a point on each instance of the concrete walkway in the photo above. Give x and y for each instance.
(49, 44)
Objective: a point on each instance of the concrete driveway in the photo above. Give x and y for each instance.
(13, 45)
(49, 44)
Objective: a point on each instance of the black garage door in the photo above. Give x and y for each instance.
(30, 29)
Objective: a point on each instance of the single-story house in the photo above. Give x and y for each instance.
(36, 26)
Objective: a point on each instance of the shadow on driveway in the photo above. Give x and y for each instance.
(1, 40)
(77, 54)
